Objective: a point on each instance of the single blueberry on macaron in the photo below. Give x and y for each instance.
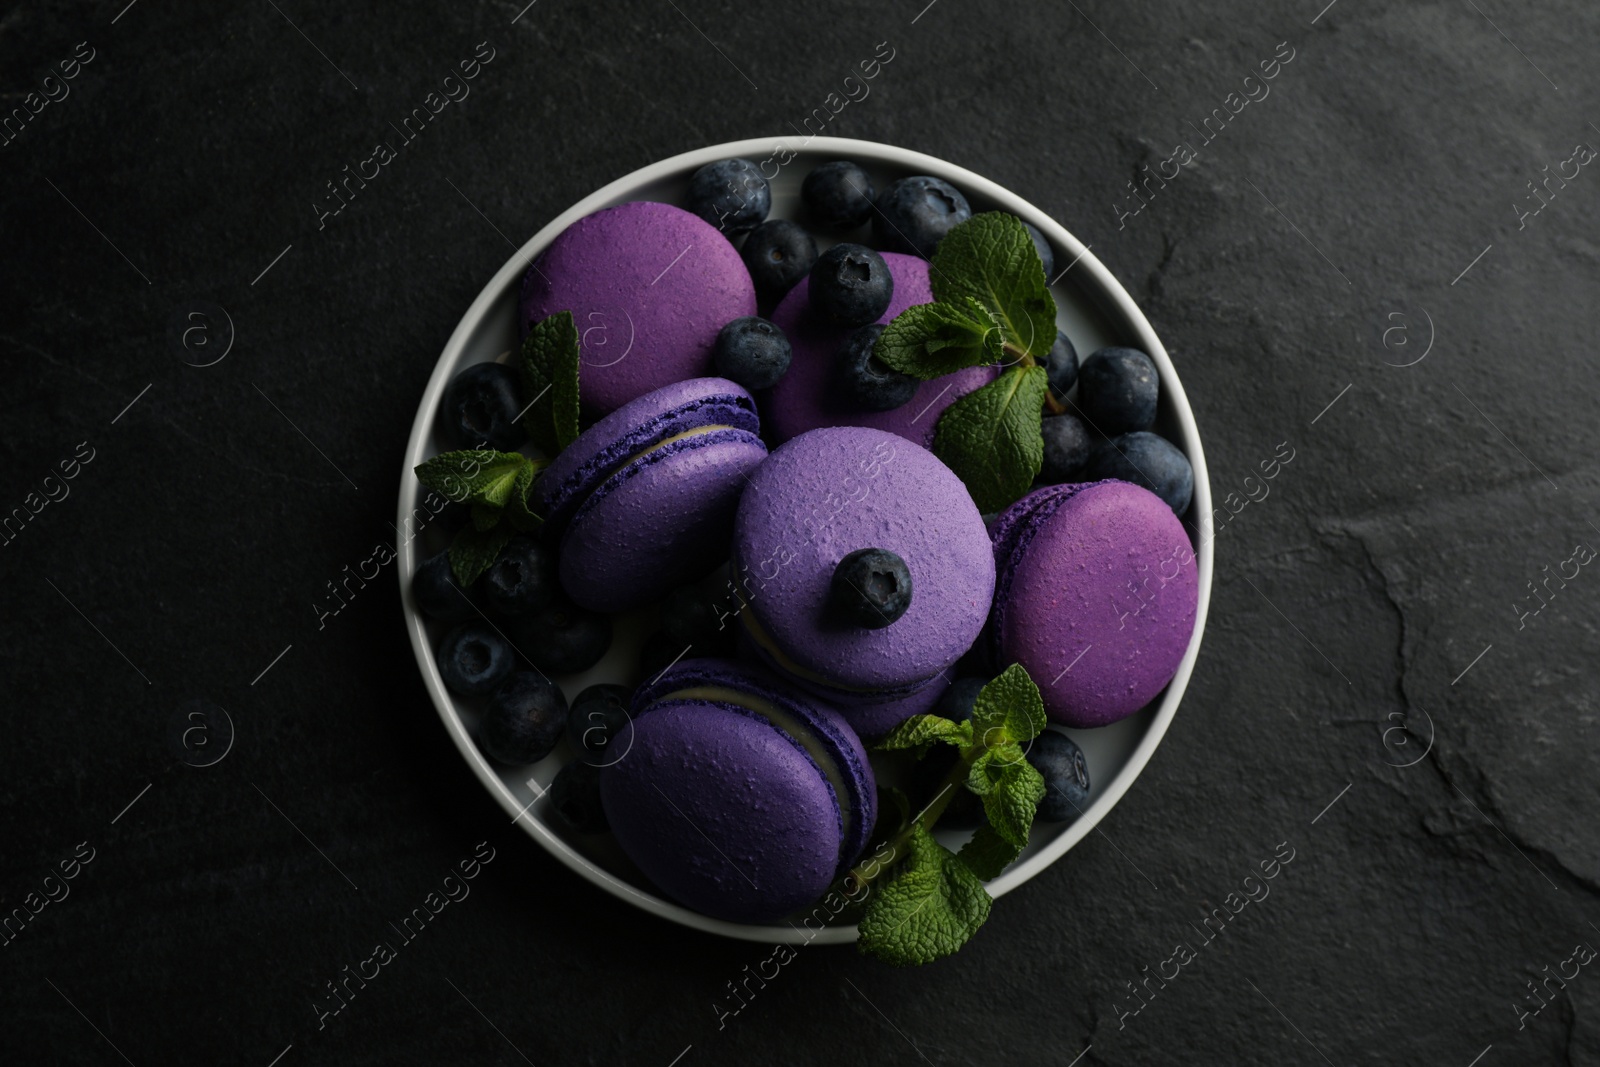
(863, 381)
(871, 588)
(838, 195)
(850, 285)
(752, 352)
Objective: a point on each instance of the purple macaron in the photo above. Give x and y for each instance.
(805, 398)
(644, 499)
(649, 286)
(819, 498)
(1096, 597)
(740, 797)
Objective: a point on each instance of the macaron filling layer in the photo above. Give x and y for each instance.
(795, 731)
(570, 484)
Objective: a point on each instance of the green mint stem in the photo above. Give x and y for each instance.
(956, 779)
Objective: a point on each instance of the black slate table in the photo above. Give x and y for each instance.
(1386, 257)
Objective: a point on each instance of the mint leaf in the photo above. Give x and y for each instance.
(472, 551)
(473, 476)
(484, 517)
(991, 259)
(920, 730)
(991, 436)
(550, 358)
(1011, 804)
(928, 909)
(931, 340)
(987, 854)
(1008, 709)
(517, 510)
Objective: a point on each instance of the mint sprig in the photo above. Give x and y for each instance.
(551, 355)
(992, 304)
(932, 900)
(992, 439)
(496, 485)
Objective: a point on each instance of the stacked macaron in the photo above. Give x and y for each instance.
(643, 500)
(740, 797)
(859, 585)
(840, 490)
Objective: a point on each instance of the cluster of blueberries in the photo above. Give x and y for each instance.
(1104, 432)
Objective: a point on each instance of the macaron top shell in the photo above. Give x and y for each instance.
(805, 398)
(833, 744)
(634, 428)
(729, 797)
(649, 286)
(1096, 599)
(829, 492)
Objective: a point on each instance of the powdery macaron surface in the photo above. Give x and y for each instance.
(1096, 598)
(805, 398)
(829, 492)
(644, 499)
(649, 286)
(725, 811)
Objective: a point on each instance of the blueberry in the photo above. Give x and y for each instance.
(914, 214)
(1061, 367)
(480, 408)
(1145, 459)
(778, 253)
(850, 285)
(871, 587)
(438, 594)
(524, 719)
(838, 195)
(752, 352)
(473, 658)
(692, 619)
(1046, 256)
(575, 796)
(1067, 448)
(1117, 390)
(864, 382)
(562, 638)
(730, 194)
(598, 724)
(1060, 762)
(522, 578)
(959, 697)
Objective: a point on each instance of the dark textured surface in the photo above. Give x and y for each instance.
(1388, 557)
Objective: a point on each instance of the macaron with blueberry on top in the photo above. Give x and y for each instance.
(865, 569)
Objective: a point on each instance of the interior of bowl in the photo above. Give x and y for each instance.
(1092, 309)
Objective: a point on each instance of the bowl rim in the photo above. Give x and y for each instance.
(1112, 300)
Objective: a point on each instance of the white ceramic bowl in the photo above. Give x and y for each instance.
(1093, 310)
